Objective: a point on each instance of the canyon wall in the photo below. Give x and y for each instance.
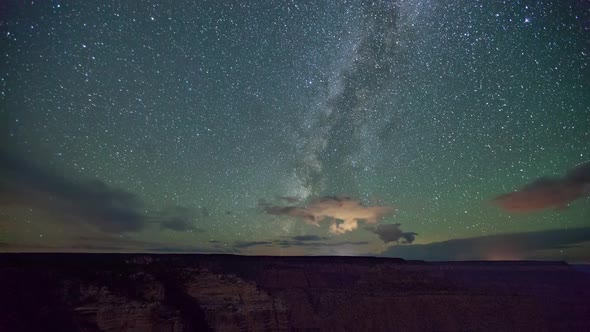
(128, 292)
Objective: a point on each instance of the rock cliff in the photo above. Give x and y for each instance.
(126, 292)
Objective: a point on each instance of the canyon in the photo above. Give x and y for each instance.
(185, 292)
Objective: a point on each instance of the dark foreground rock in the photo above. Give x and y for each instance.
(127, 292)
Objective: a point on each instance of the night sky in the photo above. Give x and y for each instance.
(297, 128)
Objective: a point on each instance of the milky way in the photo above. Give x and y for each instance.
(204, 115)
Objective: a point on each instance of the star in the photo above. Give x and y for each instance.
(184, 130)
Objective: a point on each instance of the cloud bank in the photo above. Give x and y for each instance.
(343, 213)
(312, 241)
(546, 193)
(513, 246)
(94, 203)
(392, 233)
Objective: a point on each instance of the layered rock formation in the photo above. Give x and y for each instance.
(112, 292)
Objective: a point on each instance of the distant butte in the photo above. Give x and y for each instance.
(140, 292)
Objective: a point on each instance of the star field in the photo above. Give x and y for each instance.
(208, 113)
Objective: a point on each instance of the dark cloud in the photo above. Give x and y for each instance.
(177, 218)
(409, 237)
(126, 243)
(314, 244)
(178, 225)
(109, 209)
(294, 241)
(545, 193)
(493, 247)
(188, 250)
(308, 238)
(344, 213)
(291, 242)
(113, 243)
(117, 243)
(248, 244)
(393, 233)
(580, 173)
